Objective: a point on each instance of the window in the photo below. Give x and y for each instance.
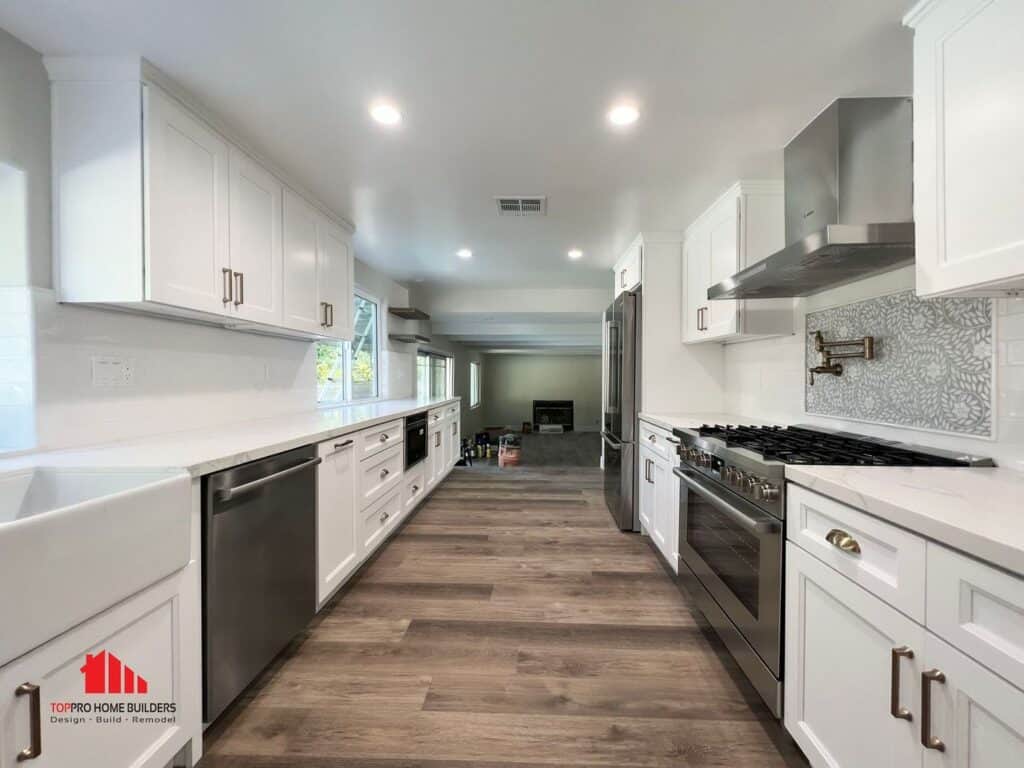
(348, 371)
(474, 385)
(364, 350)
(433, 375)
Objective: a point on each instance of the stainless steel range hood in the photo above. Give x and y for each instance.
(849, 203)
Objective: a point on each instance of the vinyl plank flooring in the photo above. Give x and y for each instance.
(508, 624)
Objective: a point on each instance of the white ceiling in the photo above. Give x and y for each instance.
(502, 98)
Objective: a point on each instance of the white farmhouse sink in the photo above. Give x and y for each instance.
(74, 542)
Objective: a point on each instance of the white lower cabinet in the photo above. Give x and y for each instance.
(135, 654)
(337, 529)
(867, 686)
(414, 488)
(435, 454)
(839, 664)
(659, 494)
(376, 521)
(977, 716)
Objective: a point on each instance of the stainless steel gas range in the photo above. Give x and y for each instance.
(732, 510)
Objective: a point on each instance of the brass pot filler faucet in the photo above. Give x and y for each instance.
(824, 348)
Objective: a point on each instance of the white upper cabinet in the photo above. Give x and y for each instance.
(256, 218)
(628, 270)
(186, 214)
(301, 310)
(318, 281)
(968, 168)
(335, 278)
(156, 211)
(744, 226)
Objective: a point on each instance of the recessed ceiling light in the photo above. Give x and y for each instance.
(385, 113)
(623, 114)
(464, 253)
(575, 253)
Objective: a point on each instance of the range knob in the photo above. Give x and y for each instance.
(749, 483)
(729, 474)
(692, 454)
(766, 492)
(705, 459)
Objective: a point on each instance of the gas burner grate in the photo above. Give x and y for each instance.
(798, 445)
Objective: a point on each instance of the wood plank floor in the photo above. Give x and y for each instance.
(507, 624)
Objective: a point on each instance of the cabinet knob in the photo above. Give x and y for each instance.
(384, 473)
(385, 437)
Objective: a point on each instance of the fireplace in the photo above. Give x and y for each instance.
(556, 412)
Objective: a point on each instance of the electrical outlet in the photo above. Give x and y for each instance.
(109, 371)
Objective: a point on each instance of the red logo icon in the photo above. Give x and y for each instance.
(105, 673)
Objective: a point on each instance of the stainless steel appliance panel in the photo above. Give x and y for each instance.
(415, 439)
(259, 568)
(735, 550)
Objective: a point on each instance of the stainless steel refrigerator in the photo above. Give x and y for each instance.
(622, 403)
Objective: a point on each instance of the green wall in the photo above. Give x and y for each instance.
(512, 382)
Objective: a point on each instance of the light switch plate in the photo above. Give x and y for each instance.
(110, 371)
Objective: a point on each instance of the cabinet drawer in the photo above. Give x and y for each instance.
(435, 416)
(376, 439)
(379, 474)
(659, 441)
(890, 562)
(376, 521)
(414, 486)
(451, 411)
(979, 609)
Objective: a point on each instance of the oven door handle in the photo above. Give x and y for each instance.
(762, 524)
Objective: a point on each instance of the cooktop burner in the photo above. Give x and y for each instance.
(800, 445)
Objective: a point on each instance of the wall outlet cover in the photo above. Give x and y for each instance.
(112, 371)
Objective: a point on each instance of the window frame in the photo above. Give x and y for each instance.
(449, 373)
(358, 293)
(475, 392)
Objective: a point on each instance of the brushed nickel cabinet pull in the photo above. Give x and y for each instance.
(622, 279)
(226, 286)
(330, 308)
(384, 473)
(385, 437)
(841, 540)
(35, 748)
(346, 444)
(927, 740)
(323, 307)
(415, 489)
(239, 288)
(895, 708)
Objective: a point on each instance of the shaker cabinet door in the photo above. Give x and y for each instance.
(186, 208)
(968, 168)
(337, 529)
(302, 312)
(840, 692)
(977, 716)
(256, 221)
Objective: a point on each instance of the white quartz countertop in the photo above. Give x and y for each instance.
(694, 420)
(977, 510)
(211, 449)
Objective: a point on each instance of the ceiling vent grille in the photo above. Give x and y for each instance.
(522, 206)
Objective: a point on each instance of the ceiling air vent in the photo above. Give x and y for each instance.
(522, 206)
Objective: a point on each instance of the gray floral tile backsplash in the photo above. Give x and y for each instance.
(932, 366)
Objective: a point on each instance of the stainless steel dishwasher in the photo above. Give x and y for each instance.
(259, 568)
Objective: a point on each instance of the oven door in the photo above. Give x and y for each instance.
(735, 550)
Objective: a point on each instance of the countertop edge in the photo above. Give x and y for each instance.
(233, 460)
(981, 547)
(93, 456)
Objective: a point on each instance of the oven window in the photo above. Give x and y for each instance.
(731, 552)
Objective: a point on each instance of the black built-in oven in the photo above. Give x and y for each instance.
(415, 439)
